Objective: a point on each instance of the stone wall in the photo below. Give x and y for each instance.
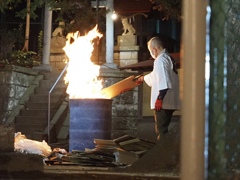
(124, 106)
(14, 81)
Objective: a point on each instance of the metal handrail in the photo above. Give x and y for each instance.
(49, 97)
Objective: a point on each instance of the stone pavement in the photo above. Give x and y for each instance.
(160, 162)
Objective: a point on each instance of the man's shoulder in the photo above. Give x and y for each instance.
(164, 57)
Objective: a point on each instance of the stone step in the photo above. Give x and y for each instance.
(38, 112)
(50, 83)
(37, 136)
(55, 91)
(64, 130)
(37, 105)
(29, 128)
(31, 120)
(43, 98)
(52, 75)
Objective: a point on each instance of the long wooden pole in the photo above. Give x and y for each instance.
(193, 89)
(27, 29)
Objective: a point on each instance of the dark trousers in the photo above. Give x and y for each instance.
(162, 121)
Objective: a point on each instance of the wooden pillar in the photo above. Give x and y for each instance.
(193, 90)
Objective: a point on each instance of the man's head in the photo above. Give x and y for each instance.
(155, 46)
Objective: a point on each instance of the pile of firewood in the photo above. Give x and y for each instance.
(107, 153)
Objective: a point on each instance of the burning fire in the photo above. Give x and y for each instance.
(82, 73)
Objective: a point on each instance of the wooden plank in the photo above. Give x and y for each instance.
(120, 87)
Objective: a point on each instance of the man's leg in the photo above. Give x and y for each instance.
(162, 121)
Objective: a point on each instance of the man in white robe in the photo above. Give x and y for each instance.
(164, 83)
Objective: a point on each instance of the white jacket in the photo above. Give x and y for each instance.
(163, 77)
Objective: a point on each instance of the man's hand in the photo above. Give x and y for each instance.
(139, 80)
(158, 104)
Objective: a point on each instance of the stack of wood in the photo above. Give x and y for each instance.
(122, 151)
(127, 149)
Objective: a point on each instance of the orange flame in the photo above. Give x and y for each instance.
(82, 73)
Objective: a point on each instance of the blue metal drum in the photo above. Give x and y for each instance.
(89, 119)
